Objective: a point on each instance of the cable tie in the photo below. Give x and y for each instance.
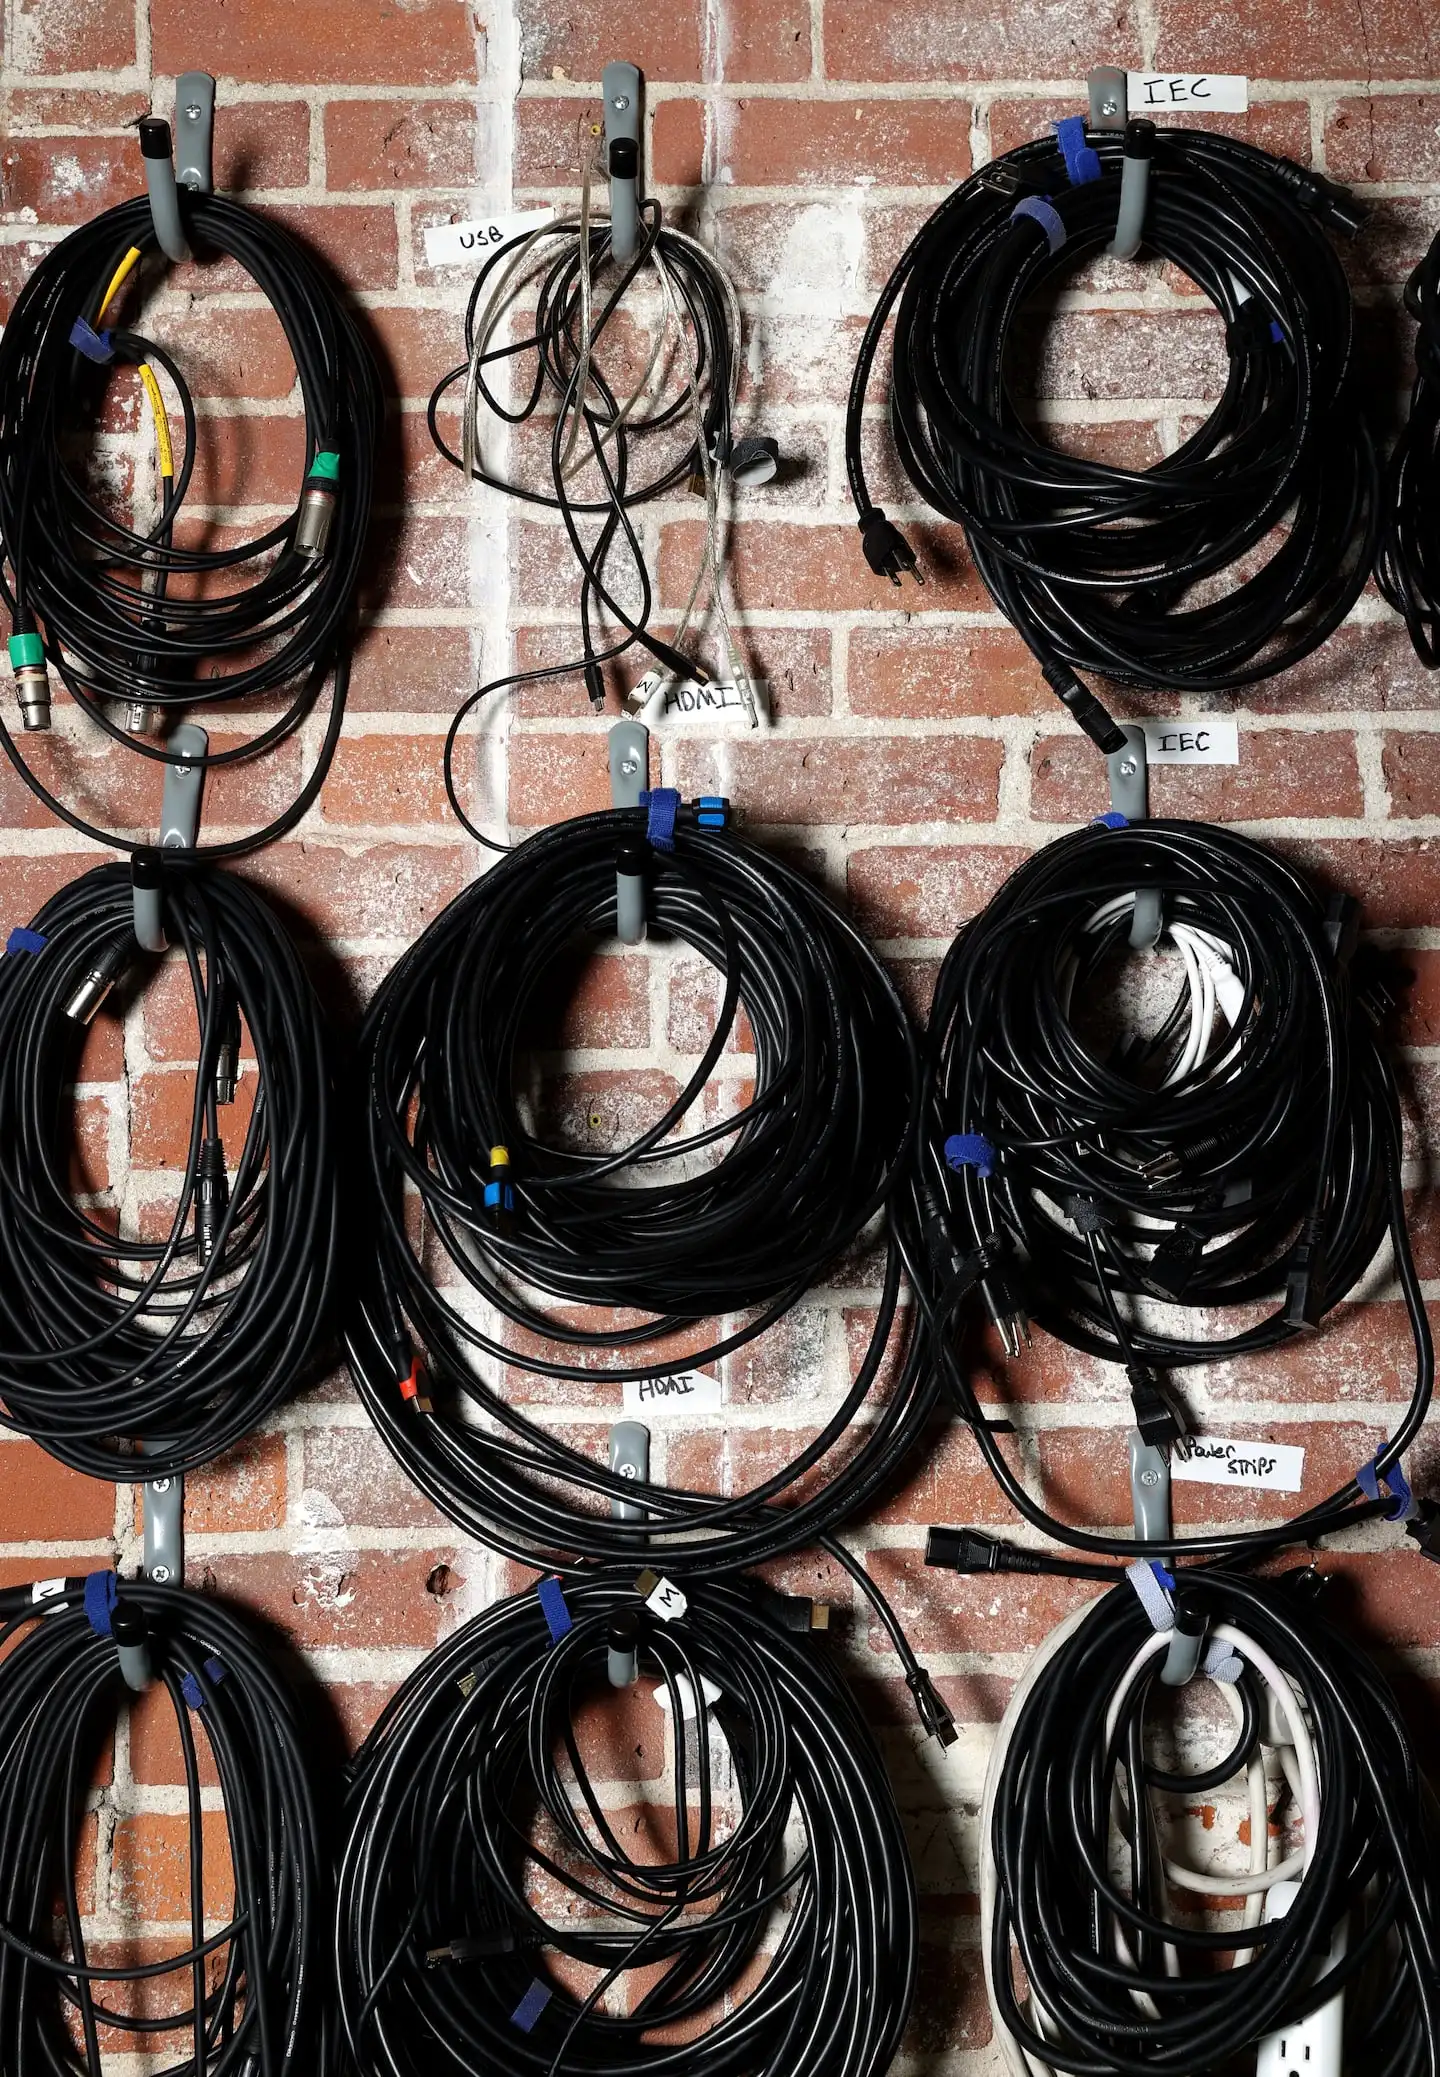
(1113, 819)
(1046, 215)
(1086, 1214)
(531, 2005)
(23, 940)
(556, 1612)
(96, 346)
(663, 805)
(1082, 161)
(1370, 1480)
(971, 1150)
(1153, 1587)
(102, 1591)
(1222, 1662)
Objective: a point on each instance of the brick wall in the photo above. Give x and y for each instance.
(914, 756)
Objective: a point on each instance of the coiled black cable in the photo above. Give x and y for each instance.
(254, 1983)
(1147, 577)
(1074, 1766)
(669, 1225)
(1407, 568)
(1084, 1176)
(127, 615)
(185, 1340)
(440, 1932)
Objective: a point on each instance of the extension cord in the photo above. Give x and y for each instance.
(1312, 2047)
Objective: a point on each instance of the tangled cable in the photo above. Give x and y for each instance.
(449, 1889)
(1408, 565)
(682, 402)
(187, 1340)
(128, 616)
(1149, 577)
(1244, 1153)
(669, 1226)
(253, 1982)
(1082, 1859)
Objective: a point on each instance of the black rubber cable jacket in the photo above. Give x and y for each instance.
(442, 1937)
(257, 1978)
(188, 1337)
(265, 620)
(1408, 565)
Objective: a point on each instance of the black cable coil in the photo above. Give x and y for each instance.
(184, 1340)
(1080, 1174)
(1148, 577)
(537, 1228)
(269, 615)
(450, 1892)
(254, 1981)
(1408, 565)
(1092, 1938)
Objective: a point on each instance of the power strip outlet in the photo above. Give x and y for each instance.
(1314, 2047)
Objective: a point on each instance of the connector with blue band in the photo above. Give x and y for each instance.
(662, 805)
(712, 811)
(1044, 213)
(1370, 1480)
(499, 1197)
(1082, 161)
(193, 1688)
(102, 1591)
(531, 2006)
(551, 1596)
(96, 346)
(23, 940)
(970, 1150)
(1113, 819)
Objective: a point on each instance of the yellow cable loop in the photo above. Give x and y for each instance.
(117, 282)
(161, 418)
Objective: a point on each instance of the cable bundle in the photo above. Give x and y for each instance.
(1246, 1154)
(1408, 565)
(254, 1980)
(440, 1931)
(127, 616)
(1120, 1980)
(1149, 577)
(736, 1216)
(189, 1339)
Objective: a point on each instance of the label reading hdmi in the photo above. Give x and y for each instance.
(688, 1393)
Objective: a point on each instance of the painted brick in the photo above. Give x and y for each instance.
(45, 1502)
(425, 43)
(55, 36)
(909, 779)
(780, 566)
(1385, 137)
(950, 40)
(1316, 42)
(835, 143)
(403, 144)
(1280, 773)
(560, 40)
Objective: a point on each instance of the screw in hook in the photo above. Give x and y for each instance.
(620, 102)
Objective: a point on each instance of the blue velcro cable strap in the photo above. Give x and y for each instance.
(23, 940)
(970, 1150)
(1082, 161)
(1046, 215)
(102, 1590)
(96, 346)
(531, 2006)
(553, 1608)
(1152, 1584)
(663, 803)
(193, 1689)
(1113, 819)
(1369, 1480)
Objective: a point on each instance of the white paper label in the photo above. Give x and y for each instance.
(458, 245)
(687, 1695)
(683, 697)
(46, 1590)
(1214, 739)
(691, 1392)
(666, 1601)
(1218, 1460)
(1152, 93)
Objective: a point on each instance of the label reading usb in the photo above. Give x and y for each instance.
(459, 245)
(1220, 1460)
(1159, 93)
(688, 1393)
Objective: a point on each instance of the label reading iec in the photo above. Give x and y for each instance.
(1218, 1460)
(1153, 93)
(688, 1393)
(1210, 740)
(453, 245)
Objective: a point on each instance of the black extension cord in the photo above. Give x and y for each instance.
(1092, 1933)
(128, 617)
(534, 1229)
(188, 1338)
(1081, 1180)
(1408, 565)
(450, 1897)
(256, 1979)
(1147, 577)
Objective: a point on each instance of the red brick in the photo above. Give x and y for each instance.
(953, 40)
(405, 144)
(1419, 1015)
(776, 565)
(1385, 137)
(590, 999)
(1397, 881)
(948, 1611)
(426, 42)
(1397, 235)
(1280, 773)
(1282, 127)
(249, 460)
(88, 109)
(419, 670)
(65, 180)
(261, 144)
(560, 40)
(677, 144)
(826, 779)
(764, 39)
(555, 776)
(358, 1600)
(45, 1502)
(1369, 667)
(377, 890)
(155, 1754)
(429, 565)
(385, 780)
(230, 352)
(351, 1480)
(550, 135)
(925, 890)
(1115, 355)
(150, 1866)
(1390, 42)
(1412, 773)
(834, 143)
(1363, 1353)
(56, 36)
(160, 1113)
(245, 1490)
(938, 673)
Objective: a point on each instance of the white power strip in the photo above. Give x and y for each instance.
(1315, 2046)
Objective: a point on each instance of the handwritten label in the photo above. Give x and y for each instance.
(1211, 740)
(459, 245)
(690, 1392)
(1153, 93)
(661, 697)
(666, 1601)
(46, 1590)
(1218, 1460)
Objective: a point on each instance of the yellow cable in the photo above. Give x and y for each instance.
(161, 418)
(117, 280)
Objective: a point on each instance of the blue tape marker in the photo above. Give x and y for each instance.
(1113, 819)
(214, 1672)
(190, 1688)
(96, 346)
(102, 1591)
(663, 804)
(1369, 1480)
(1082, 161)
(23, 940)
(1046, 215)
(1277, 331)
(970, 1150)
(552, 1604)
(531, 2006)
